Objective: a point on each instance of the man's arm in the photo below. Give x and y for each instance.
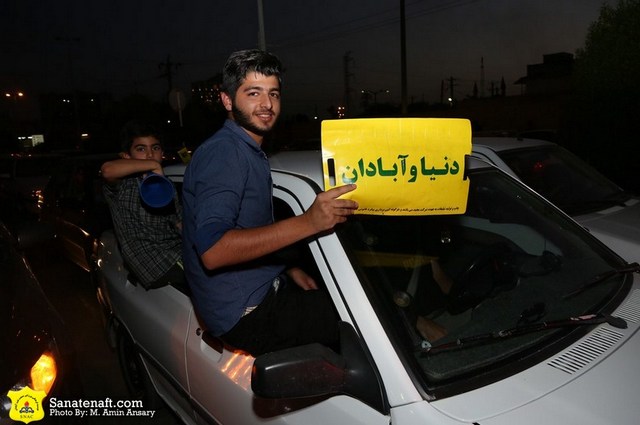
(241, 245)
(119, 168)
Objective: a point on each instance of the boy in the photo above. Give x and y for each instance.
(149, 238)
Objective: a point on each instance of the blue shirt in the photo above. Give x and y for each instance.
(227, 185)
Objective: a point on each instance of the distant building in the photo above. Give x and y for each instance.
(552, 76)
(207, 92)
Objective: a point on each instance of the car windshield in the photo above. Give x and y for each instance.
(511, 260)
(564, 179)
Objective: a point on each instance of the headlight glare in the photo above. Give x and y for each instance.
(43, 373)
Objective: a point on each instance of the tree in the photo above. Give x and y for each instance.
(609, 63)
(607, 93)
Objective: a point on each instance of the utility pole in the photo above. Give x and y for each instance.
(347, 58)
(262, 40)
(403, 60)
(168, 68)
(451, 85)
(482, 76)
(72, 87)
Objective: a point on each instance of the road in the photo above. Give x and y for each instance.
(70, 291)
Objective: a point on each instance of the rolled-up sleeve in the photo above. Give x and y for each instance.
(217, 193)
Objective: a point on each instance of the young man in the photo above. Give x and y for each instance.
(149, 238)
(237, 288)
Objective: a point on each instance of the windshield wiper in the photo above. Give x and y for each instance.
(590, 319)
(629, 268)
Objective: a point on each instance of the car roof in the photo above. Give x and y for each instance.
(499, 144)
(304, 163)
(175, 171)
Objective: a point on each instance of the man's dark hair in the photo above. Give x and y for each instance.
(134, 129)
(242, 62)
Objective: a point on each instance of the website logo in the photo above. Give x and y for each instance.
(26, 405)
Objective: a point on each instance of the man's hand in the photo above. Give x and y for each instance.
(301, 278)
(327, 210)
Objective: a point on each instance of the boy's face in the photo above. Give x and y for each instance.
(146, 147)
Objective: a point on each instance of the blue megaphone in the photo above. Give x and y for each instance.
(156, 190)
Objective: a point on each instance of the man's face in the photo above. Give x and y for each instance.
(256, 105)
(147, 147)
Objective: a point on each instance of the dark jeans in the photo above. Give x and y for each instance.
(286, 318)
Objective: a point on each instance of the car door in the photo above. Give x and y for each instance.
(156, 320)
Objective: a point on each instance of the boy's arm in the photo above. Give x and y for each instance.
(119, 168)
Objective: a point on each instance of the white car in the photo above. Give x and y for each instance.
(541, 321)
(607, 211)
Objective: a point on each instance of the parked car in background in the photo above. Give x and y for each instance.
(606, 210)
(74, 204)
(23, 176)
(36, 350)
(541, 320)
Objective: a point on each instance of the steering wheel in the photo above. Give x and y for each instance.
(489, 272)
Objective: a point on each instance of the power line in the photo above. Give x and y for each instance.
(334, 31)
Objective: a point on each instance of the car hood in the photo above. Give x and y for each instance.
(607, 394)
(595, 381)
(618, 227)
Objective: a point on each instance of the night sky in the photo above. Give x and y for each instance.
(117, 46)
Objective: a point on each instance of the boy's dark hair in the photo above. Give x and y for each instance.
(242, 62)
(134, 129)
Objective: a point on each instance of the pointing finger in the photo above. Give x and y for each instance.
(336, 192)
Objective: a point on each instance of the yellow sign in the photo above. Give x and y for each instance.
(402, 166)
(185, 155)
(26, 405)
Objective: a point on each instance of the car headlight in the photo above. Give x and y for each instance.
(43, 373)
(41, 377)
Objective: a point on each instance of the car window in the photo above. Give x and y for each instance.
(564, 179)
(475, 274)
(298, 254)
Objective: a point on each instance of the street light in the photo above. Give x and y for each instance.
(15, 110)
(14, 95)
(375, 93)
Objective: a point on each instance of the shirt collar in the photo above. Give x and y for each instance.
(232, 126)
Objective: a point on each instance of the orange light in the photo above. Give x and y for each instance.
(44, 373)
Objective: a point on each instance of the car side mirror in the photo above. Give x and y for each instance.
(315, 370)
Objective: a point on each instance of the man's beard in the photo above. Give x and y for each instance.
(244, 120)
